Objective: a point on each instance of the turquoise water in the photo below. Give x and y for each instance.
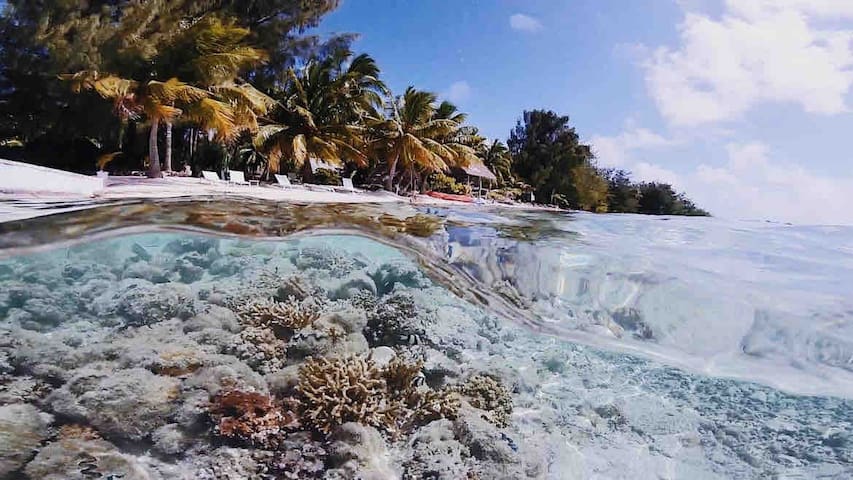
(631, 347)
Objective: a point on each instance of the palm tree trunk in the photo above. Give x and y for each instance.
(153, 153)
(168, 157)
(392, 172)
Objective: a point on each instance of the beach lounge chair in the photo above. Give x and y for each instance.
(284, 182)
(236, 177)
(347, 187)
(211, 176)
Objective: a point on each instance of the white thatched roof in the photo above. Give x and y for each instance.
(477, 169)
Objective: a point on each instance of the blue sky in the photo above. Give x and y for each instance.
(743, 104)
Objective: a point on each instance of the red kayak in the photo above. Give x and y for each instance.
(450, 196)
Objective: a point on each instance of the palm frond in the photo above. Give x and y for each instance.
(245, 94)
(175, 91)
(213, 115)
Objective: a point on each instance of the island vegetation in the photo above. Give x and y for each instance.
(172, 85)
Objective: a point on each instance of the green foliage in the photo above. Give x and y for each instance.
(325, 176)
(545, 150)
(202, 42)
(661, 199)
(497, 158)
(419, 136)
(505, 194)
(623, 195)
(591, 188)
(546, 153)
(322, 109)
(440, 182)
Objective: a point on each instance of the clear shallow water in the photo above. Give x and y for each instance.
(636, 347)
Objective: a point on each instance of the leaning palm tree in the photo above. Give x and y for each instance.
(418, 135)
(153, 101)
(322, 112)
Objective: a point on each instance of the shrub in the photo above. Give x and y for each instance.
(324, 176)
(447, 184)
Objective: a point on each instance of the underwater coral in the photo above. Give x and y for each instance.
(181, 357)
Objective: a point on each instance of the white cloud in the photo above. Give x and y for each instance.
(524, 23)
(749, 184)
(615, 151)
(829, 9)
(649, 172)
(757, 51)
(459, 91)
(753, 185)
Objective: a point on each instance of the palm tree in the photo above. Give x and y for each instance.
(417, 134)
(155, 101)
(496, 156)
(211, 54)
(323, 108)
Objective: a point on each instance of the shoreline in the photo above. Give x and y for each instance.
(19, 204)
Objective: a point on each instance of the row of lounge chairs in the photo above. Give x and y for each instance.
(236, 177)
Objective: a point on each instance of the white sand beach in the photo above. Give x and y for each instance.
(23, 187)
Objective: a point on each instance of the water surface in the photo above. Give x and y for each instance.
(635, 347)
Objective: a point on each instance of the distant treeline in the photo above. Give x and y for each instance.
(546, 153)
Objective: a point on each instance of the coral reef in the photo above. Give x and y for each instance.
(354, 389)
(393, 274)
(495, 453)
(286, 316)
(22, 429)
(487, 394)
(434, 452)
(260, 349)
(298, 457)
(251, 418)
(337, 263)
(140, 302)
(337, 391)
(79, 459)
(126, 403)
(223, 360)
(358, 451)
(395, 320)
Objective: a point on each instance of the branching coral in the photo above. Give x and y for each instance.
(334, 392)
(489, 395)
(363, 299)
(337, 391)
(251, 418)
(326, 258)
(415, 403)
(436, 404)
(290, 315)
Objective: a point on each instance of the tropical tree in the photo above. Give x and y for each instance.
(212, 54)
(154, 101)
(129, 39)
(591, 188)
(496, 156)
(623, 195)
(322, 112)
(417, 135)
(545, 150)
